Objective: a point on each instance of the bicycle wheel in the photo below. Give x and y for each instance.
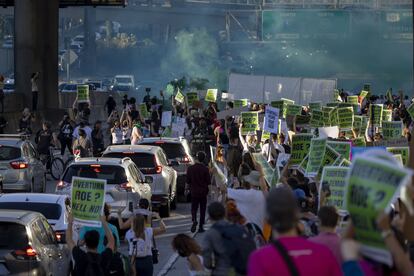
(68, 161)
(56, 168)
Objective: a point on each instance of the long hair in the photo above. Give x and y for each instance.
(138, 226)
(185, 245)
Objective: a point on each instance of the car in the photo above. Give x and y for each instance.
(123, 83)
(8, 43)
(79, 40)
(28, 245)
(77, 48)
(70, 88)
(126, 185)
(9, 86)
(96, 84)
(179, 156)
(20, 165)
(152, 162)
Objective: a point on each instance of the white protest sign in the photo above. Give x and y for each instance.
(271, 119)
(325, 132)
(166, 118)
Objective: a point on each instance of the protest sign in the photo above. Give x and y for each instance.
(345, 163)
(345, 118)
(166, 118)
(386, 115)
(143, 111)
(342, 147)
(360, 124)
(275, 177)
(282, 106)
(179, 97)
(191, 98)
(315, 106)
(372, 185)
(359, 142)
(267, 169)
(271, 119)
(331, 132)
(300, 147)
(302, 121)
(352, 99)
(334, 179)
(400, 142)
(375, 114)
(392, 130)
(282, 159)
(334, 105)
(316, 119)
(363, 94)
(265, 136)
(293, 109)
(87, 200)
(250, 122)
(410, 110)
(83, 93)
(211, 95)
(331, 157)
(398, 157)
(316, 153)
(241, 102)
(327, 113)
(404, 151)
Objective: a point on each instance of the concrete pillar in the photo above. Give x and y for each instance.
(89, 52)
(36, 46)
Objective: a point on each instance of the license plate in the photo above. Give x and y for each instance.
(4, 270)
(108, 198)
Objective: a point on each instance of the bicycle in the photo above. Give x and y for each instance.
(54, 165)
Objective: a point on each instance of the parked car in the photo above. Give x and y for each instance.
(179, 156)
(152, 162)
(28, 245)
(20, 165)
(70, 88)
(49, 205)
(125, 186)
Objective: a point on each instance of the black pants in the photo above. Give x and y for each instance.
(195, 202)
(34, 100)
(65, 143)
(144, 266)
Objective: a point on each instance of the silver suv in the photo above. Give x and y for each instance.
(153, 163)
(179, 157)
(125, 183)
(20, 165)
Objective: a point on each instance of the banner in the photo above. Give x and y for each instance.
(300, 147)
(240, 103)
(179, 97)
(271, 120)
(166, 118)
(386, 115)
(211, 95)
(334, 180)
(342, 147)
(410, 110)
(404, 151)
(83, 93)
(87, 200)
(372, 185)
(345, 118)
(316, 153)
(352, 100)
(250, 122)
(392, 130)
(375, 114)
(191, 98)
(293, 109)
(315, 106)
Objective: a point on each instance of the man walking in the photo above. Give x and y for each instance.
(198, 180)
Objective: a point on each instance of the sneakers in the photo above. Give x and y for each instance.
(193, 227)
(201, 229)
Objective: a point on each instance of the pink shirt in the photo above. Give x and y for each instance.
(310, 259)
(332, 241)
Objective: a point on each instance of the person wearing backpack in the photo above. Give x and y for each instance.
(90, 262)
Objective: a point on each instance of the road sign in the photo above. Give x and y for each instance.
(70, 57)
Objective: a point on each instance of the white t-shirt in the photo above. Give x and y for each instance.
(117, 136)
(251, 204)
(141, 248)
(34, 85)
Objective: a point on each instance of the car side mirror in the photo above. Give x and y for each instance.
(148, 179)
(173, 163)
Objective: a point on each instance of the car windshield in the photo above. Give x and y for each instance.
(172, 150)
(123, 80)
(9, 153)
(12, 236)
(112, 174)
(8, 86)
(122, 88)
(49, 210)
(142, 160)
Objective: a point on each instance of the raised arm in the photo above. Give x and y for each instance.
(161, 229)
(69, 233)
(108, 234)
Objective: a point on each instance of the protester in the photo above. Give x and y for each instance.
(65, 134)
(136, 135)
(82, 144)
(85, 127)
(198, 180)
(126, 133)
(25, 122)
(116, 134)
(188, 248)
(110, 105)
(97, 139)
(34, 79)
(45, 140)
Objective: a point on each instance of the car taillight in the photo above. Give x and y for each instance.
(125, 187)
(19, 165)
(158, 169)
(60, 236)
(62, 184)
(185, 159)
(26, 253)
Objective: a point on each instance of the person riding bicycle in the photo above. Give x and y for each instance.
(44, 140)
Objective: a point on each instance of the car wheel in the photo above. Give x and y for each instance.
(165, 210)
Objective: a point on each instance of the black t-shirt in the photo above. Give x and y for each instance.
(66, 131)
(82, 258)
(44, 140)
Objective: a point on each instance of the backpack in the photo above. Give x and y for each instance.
(238, 244)
(94, 266)
(256, 233)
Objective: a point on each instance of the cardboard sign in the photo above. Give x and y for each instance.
(316, 154)
(342, 147)
(143, 111)
(211, 95)
(392, 130)
(293, 109)
(191, 98)
(316, 119)
(282, 106)
(179, 97)
(300, 147)
(87, 200)
(403, 151)
(241, 102)
(372, 185)
(375, 114)
(363, 94)
(345, 118)
(83, 93)
(271, 120)
(386, 115)
(334, 179)
(166, 118)
(250, 122)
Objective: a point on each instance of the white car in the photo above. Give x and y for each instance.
(79, 40)
(153, 163)
(50, 205)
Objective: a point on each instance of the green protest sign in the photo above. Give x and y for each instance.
(341, 147)
(240, 103)
(315, 106)
(192, 97)
(250, 121)
(410, 110)
(375, 114)
(179, 97)
(265, 136)
(302, 120)
(267, 169)
(363, 94)
(332, 105)
(331, 157)
(354, 106)
(316, 153)
(398, 157)
(300, 147)
(328, 115)
(345, 163)
(87, 200)
(280, 106)
(345, 117)
(317, 119)
(372, 185)
(404, 151)
(334, 178)
(352, 99)
(83, 93)
(360, 124)
(293, 109)
(392, 130)
(143, 111)
(359, 142)
(386, 115)
(211, 95)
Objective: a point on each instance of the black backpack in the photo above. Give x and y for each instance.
(94, 265)
(238, 244)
